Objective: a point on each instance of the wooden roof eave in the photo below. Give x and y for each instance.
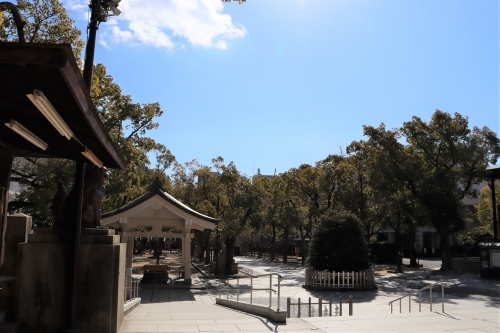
(82, 96)
(60, 58)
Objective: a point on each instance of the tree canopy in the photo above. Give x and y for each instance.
(338, 244)
(485, 207)
(440, 164)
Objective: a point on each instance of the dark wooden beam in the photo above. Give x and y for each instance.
(6, 159)
(37, 56)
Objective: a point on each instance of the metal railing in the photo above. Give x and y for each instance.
(442, 284)
(327, 312)
(131, 289)
(239, 288)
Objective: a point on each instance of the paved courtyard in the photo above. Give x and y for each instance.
(471, 305)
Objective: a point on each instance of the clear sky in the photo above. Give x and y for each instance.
(275, 84)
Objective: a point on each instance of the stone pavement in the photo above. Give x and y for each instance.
(471, 305)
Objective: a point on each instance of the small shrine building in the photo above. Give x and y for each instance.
(156, 211)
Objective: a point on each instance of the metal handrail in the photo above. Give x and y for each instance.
(131, 287)
(251, 277)
(442, 284)
(320, 307)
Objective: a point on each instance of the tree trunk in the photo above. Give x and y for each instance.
(446, 264)
(399, 257)
(207, 249)
(285, 250)
(260, 244)
(273, 244)
(413, 253)
(229, 253)
(303, 248)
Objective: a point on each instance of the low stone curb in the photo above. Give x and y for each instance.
(130, 305)
(271, 313)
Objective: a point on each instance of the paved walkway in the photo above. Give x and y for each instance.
(471, 305)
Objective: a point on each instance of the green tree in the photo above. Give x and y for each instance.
(312, 191)
(402, 213)
(127, 124)
(40, 178)
(275, 210)
(440, 165)
(219, 191)
(397, 208)
(359, 194)
(236, 204)
(484, 209)
(338, 244)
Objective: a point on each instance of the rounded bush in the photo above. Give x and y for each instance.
(338, 244)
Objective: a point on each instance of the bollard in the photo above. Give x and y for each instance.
(279, 293)
(419, 301)
(288, 307)
(320, 301)
(409, 302)
(270, 290)
(350, 305)
(251, 290)
(340, 305)
(299, 307)
(309, 306)
(442, 298)
(237, 290)
(400, 305)
(430, 296)
(330, 306)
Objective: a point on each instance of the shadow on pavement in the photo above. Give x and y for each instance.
(466, 286)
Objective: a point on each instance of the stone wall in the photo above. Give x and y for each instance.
(45, 272)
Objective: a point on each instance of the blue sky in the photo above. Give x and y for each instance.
(274, 84)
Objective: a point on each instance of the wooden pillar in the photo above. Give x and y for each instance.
(186, 249)
(187, 255)
(6, 158)
(130, 251)
(183, 250)
(129, 240)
